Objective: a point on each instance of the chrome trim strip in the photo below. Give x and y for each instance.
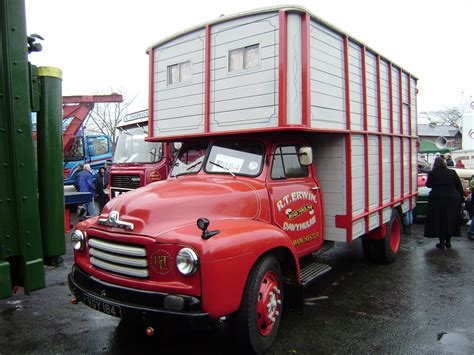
(123, 260)
(119, 269)
(116, 248)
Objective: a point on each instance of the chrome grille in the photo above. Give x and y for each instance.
(118, 258)
(125, 181)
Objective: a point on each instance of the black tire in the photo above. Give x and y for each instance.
(254, 331)
(385, 250)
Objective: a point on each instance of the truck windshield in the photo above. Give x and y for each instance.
(75, 151)
(237, 157)
(132, 148)
(189, 160)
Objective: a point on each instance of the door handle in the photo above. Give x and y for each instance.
(315, 188)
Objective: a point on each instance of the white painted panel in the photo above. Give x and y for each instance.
(387, 213)
(374, 178)
(372, 96)
(374, 221)
(327, 78)
(335, 234)
(406, 104)
(397, 158)
(355, 86)
(385, 96)
(245, 99)
(358, 175)
(386, 174)
(413, 106)
(396, 99)
(406, 166)
(179, 108)
(358, 228)
(329, 156)
(294, 71)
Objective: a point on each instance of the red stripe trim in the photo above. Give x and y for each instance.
(151, 96)
(348, 141)
(379, 113)
(282, 82)
(306, 69)
(207, 94)
(366, 139)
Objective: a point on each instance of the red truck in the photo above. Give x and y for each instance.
(137, 163)
(295, 136)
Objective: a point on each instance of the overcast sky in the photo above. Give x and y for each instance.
(100, 44)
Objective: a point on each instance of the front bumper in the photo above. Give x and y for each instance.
(137, 305)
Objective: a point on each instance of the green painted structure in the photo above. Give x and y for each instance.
(25, 89)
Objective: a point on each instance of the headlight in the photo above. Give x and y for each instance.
(187, 261)
(78, 240)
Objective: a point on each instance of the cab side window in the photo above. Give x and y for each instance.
(286, 164)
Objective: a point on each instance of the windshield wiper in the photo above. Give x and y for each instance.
(192, 166)
(222, 167)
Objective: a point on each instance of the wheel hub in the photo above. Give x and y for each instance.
(268, 303)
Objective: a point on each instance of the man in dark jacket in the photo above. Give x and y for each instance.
(85, 183)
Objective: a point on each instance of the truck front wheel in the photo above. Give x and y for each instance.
(386, 249)
(258, 319)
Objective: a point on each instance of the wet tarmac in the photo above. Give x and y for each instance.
(421, 304)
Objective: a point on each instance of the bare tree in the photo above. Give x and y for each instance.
(105, 117)
(451, 116)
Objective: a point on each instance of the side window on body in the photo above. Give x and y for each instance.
(98, 145)
(286, 164)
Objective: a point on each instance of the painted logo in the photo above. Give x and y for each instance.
(293, 197)
(293, 214)
(161, 261)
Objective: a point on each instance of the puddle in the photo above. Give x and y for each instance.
(454, 343)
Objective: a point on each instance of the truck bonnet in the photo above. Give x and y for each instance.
(173, 203)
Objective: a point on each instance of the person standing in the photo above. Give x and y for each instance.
(459, 164)
(85, 183)
(444, 203)
(449, 161)
(101, 184)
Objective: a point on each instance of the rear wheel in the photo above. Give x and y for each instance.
(258, 319)
(385, 250)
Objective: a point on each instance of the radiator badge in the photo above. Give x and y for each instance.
(160, 260)
(114, 221)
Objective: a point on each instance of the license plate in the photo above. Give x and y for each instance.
(102, 306)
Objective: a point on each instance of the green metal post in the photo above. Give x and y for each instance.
(50, 165)
(21, 260)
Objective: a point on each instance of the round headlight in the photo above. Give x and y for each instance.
(187, 261)
(78, 240)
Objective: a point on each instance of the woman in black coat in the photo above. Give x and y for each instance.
(444, 203)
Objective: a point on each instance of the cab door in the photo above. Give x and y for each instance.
(295, 199)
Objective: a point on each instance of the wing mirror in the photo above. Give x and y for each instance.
(305, 156)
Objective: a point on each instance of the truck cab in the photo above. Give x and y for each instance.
(137, 163)
(93, 149)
